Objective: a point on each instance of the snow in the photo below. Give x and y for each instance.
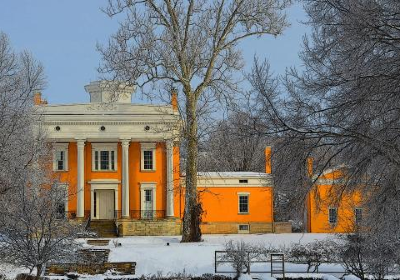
(165, 255)
(153, 255)
(245, 277)
(232, 174)
(11, 271)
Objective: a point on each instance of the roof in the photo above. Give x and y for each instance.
(233, 174)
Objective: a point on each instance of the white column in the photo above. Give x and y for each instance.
(81, 180)
(125, 178)
(170, 178)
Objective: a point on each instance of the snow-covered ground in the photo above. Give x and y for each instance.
(153, 255)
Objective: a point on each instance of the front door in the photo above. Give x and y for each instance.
(147, 212)
(105, 204)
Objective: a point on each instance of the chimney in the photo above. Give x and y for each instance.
(37, 99)
(174, 99)
(310, 166)
(268, 166)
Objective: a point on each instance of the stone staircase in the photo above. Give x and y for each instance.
(103, 228)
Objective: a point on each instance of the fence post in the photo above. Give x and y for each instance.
(215, 263)
(248, 260)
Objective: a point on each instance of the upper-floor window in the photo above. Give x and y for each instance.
(358, 215)
(148, 157)
(332, 215)
(243, 203)
(104, 157)
(60, 158)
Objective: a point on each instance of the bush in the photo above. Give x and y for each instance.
(365, 255)
(312, 254)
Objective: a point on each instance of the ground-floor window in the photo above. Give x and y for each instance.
(358, 215)
(243, 203)
(332, 215)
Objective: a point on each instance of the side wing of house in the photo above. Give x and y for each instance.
(330, 208)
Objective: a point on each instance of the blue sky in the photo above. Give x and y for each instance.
(63, 34)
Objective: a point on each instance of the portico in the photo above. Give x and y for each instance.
(119, 156)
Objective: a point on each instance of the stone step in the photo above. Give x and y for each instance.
(98, 242)
(103, 228)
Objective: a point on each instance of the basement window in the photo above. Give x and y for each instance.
(244, 228)
(243, 181)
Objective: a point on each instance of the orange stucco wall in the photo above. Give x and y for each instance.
(220, 204)
(136, 176)
(324, 196)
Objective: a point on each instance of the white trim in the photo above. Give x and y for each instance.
(148, 186)
(99, 146)
(100, 184)
(60, 147)
(244, 230)
(147, 147)
(109, 147)
(240, 194)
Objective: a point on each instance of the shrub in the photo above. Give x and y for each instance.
(312, 254)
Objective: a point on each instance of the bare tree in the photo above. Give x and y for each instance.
(192, 45)
(20, 77)
(235, 144)
(344, 106)
(32, 229)
(33, 226)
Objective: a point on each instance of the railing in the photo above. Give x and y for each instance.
(147, 214)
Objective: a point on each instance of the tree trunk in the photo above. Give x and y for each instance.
(39, 268)
(192, 215)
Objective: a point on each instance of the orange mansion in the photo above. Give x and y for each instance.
(120, 163)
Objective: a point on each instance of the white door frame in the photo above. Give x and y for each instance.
(147, 186)
(102, 185)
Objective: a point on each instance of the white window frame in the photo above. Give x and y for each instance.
(147, 147)
(241, 194)
(109, 147)
(244, 230)
(60, 147)
(329, 215)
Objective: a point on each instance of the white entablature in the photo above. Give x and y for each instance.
(109, 121)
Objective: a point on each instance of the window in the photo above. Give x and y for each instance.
(147, 195)
(244, 229)
(60, 162)
(104, 157)
(243, 181)
(332, 215)
(243, 203)
(62, 204)
(358, 215)
(148, 159)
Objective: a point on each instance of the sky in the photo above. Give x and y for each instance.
(62, 35)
